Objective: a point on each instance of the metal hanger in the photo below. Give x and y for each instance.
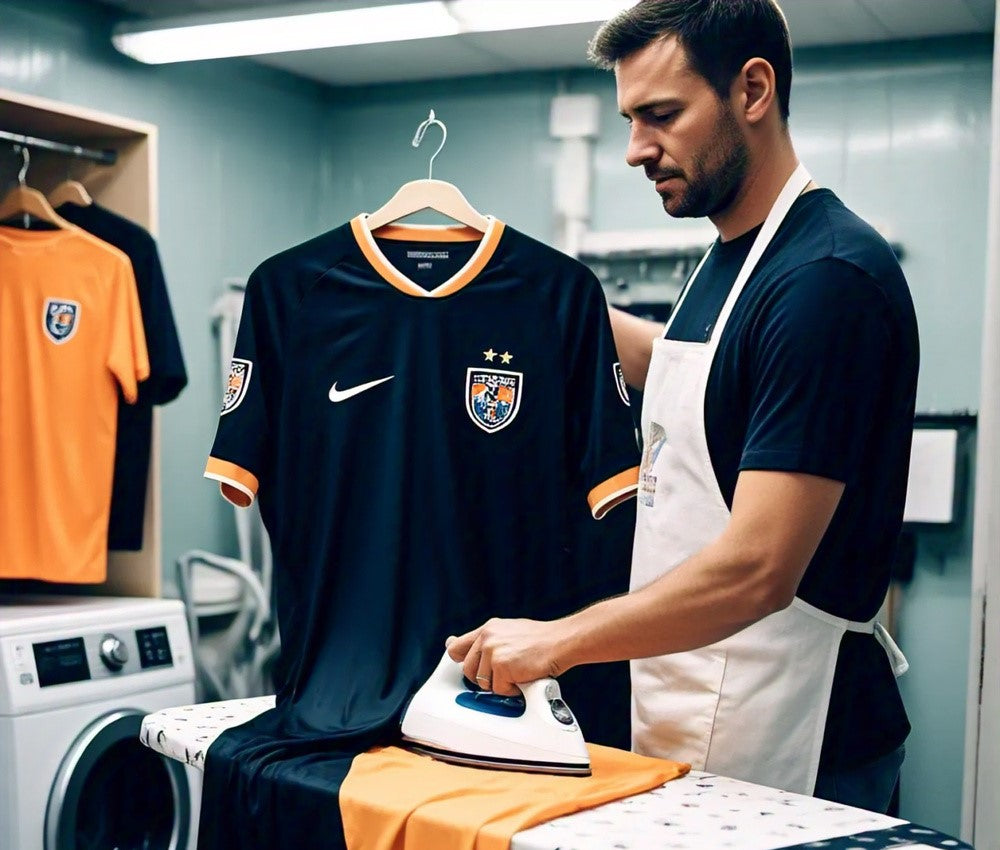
(27, 202)
(431, 194)
(418, 137)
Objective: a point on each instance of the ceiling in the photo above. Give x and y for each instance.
(812, 23)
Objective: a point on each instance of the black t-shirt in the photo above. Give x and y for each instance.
(816, 372)
(426, 423)
(167, 376)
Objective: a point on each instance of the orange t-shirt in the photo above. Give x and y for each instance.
(70, 335)
(393, 799)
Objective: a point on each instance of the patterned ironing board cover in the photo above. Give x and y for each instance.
(698, 811)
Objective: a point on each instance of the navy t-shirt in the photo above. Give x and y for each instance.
(167, 375)
(816, 372)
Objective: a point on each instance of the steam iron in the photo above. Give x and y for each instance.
(451, 720)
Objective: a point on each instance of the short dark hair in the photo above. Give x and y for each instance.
(719, 37)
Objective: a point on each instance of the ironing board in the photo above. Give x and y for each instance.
(697, 811)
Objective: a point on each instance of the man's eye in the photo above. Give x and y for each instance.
(665, 117)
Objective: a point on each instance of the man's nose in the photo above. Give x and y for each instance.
(641, 148)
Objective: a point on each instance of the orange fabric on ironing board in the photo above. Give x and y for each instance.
(393, 799)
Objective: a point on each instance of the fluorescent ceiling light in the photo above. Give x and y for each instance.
(179, 41)
(496, 15)
(164, 43)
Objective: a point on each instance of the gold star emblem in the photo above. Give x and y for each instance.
(490, 354)
(506, 357)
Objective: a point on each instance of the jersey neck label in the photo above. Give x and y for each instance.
(493, 397)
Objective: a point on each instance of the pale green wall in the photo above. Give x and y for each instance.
(252, 161)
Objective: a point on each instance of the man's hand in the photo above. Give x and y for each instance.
(501, 653)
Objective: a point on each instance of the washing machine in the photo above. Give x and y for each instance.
(77, 675)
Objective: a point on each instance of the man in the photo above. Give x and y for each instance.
(777, 418)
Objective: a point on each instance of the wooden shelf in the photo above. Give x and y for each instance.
(129, 187)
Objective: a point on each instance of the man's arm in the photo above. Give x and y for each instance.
(753, 569)
(634, 341)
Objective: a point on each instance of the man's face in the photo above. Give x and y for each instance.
(686, 139)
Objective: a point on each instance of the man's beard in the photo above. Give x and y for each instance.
(710, 189)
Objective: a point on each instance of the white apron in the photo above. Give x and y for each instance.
(754, 705)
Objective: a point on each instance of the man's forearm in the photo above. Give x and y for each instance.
(751, 570)
(709, 597)
(634, 341)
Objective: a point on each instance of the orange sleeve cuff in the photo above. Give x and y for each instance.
(612, 492)
(236, 484)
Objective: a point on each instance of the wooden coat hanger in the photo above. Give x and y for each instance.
(30, 203)
(70, 192)
(431, 194)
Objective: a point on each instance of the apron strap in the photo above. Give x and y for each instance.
(685, 290)
(896, 658)
(895, 655)
(794, 186)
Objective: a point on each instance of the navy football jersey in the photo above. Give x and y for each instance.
(428, 417)
(417, 413)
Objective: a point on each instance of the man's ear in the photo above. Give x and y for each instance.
(754, 90)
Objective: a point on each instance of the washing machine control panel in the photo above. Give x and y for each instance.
(57, 651)
(100, 654)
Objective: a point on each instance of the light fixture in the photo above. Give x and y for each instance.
(179, 40)
(497, 15)
(156, 43)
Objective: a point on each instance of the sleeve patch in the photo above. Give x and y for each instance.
(236, 385)
(620, 383)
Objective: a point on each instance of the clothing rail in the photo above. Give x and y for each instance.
(104, 157)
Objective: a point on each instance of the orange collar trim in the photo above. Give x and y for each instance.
(488, 242)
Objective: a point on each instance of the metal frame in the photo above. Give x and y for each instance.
(104, 157)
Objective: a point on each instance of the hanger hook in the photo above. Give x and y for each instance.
(418, 137)
(26, 158)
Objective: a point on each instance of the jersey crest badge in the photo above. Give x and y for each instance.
(492, 397)
(61, 319)
(236, 385)
(620, 383)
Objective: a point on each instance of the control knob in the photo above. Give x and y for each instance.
(113, 653)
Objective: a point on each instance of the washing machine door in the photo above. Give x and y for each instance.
(112, 792)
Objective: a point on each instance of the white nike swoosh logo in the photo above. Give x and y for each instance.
(342, 395)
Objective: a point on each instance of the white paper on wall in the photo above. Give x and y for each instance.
(930, 491)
